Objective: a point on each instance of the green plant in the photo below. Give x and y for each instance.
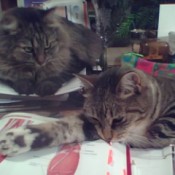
(145, 18)
(133, 14)
(124, 28)
(120, 22)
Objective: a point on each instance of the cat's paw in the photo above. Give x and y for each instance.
(16, 141)
(23, 86)
(48, 87)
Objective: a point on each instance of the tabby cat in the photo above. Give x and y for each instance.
(39, 50)
(122, 104)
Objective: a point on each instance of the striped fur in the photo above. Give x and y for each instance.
(39, 50)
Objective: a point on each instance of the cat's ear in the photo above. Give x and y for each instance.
(129, 85)
(52, 17)
(88, 82)
(9, 24)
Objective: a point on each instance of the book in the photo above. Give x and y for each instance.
(94, 157)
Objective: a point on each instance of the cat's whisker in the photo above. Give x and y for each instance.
(141, 141)
(135, 138)
(22, 66)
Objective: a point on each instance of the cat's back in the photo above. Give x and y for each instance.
(166, 84)
(166, 87)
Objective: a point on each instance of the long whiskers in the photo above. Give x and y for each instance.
(142, 141)
(6, 67)
(22, 65)
(139, 141)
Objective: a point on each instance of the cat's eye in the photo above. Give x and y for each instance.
(94, 120)
(116, 122)
(28, 49)
(47, 47)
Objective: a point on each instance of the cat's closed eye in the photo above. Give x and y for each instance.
(51, 45)
(28, 49)
(95, 121)
(116, 122)
(47, 47)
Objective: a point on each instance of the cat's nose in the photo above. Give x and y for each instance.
(108, 140)
(107, 135)
(41, 59)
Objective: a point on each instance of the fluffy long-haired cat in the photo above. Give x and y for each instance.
(122, 104)
(40, 50)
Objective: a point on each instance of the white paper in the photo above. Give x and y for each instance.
(72, 85)
(166, 20)
(152, 161)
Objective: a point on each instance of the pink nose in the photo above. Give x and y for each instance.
(41, 59)
(107, 134)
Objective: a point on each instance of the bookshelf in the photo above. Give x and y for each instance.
(6, 4)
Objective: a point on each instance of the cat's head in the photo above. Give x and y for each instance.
(28, 36)
(37, 37)
(118, 102)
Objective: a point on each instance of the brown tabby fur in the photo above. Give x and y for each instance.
(39, 50)
(122, 104)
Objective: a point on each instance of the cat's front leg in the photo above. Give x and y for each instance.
(48, 86)
(48, 83)
(21, 80)
(24, 86)
(16, 141)
(65, 130)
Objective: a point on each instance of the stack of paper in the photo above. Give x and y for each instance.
(11, 101)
